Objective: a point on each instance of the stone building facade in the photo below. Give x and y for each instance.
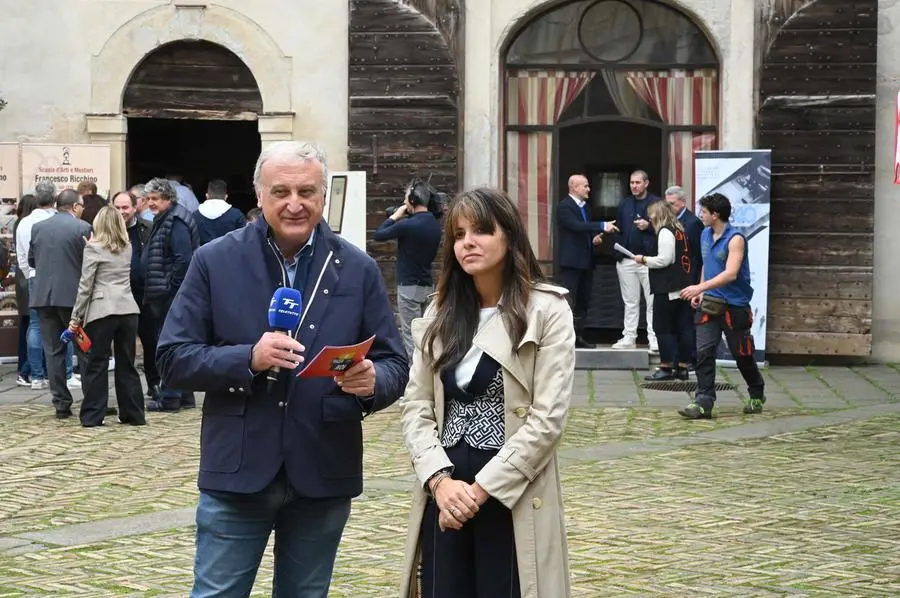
(404, 87)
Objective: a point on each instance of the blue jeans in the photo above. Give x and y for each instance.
(33, 342)
(233, 530)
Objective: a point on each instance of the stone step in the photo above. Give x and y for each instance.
(607, 358)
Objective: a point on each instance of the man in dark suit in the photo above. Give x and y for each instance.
(693, 228)
(55, 252)
(576, 237)
(289, 458)
(126, 202)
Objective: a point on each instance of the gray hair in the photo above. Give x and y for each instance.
(45, 194)
(138, 190)
(677, 192)
(302, 150)
(162, 187)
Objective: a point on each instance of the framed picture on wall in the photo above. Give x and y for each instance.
(338, 195)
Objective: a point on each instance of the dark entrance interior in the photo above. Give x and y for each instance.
(198, 150)
(607, 152)
(192, 109)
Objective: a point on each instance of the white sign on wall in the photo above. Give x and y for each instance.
(345, 206)
(65, 165)
(9, 177)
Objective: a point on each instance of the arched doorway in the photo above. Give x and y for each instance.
(604, 87)
(192, 108)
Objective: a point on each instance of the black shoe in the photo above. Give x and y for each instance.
(580, 343)
(161, 406)
(661, 375)
(695, 411)
(64, 414)
(681, 374)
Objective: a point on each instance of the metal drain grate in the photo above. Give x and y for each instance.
(682, 386)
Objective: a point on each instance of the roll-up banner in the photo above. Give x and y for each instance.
(745, 178)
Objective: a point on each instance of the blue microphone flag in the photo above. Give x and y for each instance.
(285, 309)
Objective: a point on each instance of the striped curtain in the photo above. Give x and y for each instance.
(682, 98)
(536, 98)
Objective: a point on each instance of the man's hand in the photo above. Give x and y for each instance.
(275, 350)
(696, 301)
(399, 213)
(691, 292)
(641, 224)
(597, 240)
(359, 379)
(610, 227)
(639, 260)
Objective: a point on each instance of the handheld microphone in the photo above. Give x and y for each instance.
(285, 311)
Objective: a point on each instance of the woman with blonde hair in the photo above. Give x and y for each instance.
(670, 271)
(106, 310)
(483, 413)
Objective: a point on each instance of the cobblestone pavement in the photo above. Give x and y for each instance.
(801, 500)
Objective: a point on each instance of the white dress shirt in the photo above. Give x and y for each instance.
(23, 238)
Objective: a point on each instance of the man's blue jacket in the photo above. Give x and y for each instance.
(306, 424)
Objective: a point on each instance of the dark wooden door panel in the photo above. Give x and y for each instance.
(405, 110)
(817, 115)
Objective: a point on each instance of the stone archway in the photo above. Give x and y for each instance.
(113, 66)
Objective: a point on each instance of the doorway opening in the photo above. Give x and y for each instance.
(607, 152)
(193, 109)
(199, 151)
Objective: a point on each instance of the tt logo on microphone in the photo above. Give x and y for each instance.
(290, 303)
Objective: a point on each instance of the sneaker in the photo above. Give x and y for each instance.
(753, 406)
(73, 383)
(654, 346)
(695, 411)
(22, 381)
(39, 385)
(625, 343)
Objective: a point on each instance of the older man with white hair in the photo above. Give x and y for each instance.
(286, 457)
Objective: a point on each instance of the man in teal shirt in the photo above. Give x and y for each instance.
(723, 299)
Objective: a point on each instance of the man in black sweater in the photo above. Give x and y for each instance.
(418, 234)
(639, 238)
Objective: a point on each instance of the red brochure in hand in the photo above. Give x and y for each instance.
(82, 339)
(334, 361)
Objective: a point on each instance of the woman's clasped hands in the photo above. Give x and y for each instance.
(457, 501)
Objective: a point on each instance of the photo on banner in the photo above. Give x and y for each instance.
(66, 165)
(9, 197)
(745, 178)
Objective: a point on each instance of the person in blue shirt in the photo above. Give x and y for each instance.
(723, 300)
(417, 228)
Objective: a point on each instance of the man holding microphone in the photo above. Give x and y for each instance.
(286, 457)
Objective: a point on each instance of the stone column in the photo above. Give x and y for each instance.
(275, 127)
(737, 115)
(112, 130)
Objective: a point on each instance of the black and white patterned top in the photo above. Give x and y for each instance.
(475, 414)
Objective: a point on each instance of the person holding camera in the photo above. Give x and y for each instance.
(417, 228)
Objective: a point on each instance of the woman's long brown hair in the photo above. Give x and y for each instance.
(457, 303)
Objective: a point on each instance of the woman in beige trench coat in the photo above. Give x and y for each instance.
(524, 327)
